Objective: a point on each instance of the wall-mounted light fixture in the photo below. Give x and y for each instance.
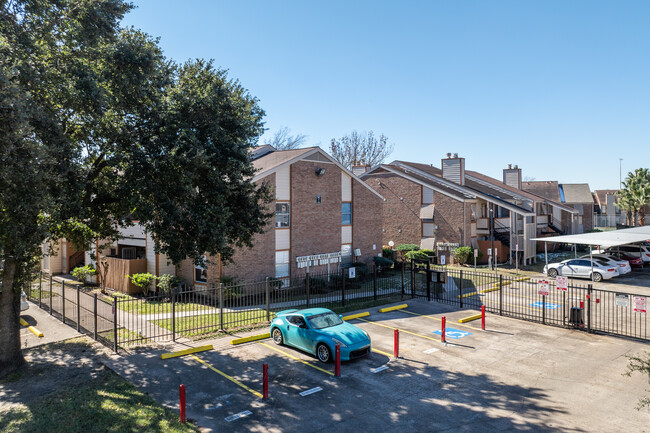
(320, 171)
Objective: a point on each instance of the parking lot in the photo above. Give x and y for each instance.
(51, 328)
(514, 376)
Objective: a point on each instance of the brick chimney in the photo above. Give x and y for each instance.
(358, 170)
(512, 176)
(453, 168)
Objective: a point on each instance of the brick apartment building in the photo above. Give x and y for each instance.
(441, 209)
(321, 208)
(576, 196)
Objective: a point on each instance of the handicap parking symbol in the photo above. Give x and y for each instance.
(548, 306)
(453, 333)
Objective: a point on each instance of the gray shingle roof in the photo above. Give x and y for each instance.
(577, 193)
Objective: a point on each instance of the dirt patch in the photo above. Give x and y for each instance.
(52, 368)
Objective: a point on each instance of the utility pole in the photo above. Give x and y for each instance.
(492, 235)
(620, 173)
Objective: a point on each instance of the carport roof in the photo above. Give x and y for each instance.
(610, 239)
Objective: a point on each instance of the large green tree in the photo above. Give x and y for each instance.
(99, 130)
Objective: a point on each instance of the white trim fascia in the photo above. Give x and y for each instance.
(263, 174)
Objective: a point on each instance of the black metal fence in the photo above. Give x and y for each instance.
(89, 314)
(201, 311)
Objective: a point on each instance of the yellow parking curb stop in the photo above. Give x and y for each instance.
(396, 307)
(470, 318)
(186, 352)
(356, 316)
(251, 338)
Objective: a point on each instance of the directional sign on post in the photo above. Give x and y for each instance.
(562, 283)
(639, 303)
(542, 287)
(353, 272)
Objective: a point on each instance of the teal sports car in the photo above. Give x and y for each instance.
(318, 331)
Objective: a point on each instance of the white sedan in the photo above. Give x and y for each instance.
(623, 266)
(582, 268)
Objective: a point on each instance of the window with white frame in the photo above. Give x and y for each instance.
(281, 264)
(346, 213)
(282, 215)
(200, 273)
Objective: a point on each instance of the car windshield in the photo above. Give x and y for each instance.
(324, 320)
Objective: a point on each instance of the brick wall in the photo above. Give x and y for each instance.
(315, 227)
(258, 262)
(366, 222)
(401, 218)
(448, 216)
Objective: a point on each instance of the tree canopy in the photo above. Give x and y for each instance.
(635, 195)
(100, 130)
(361, 149)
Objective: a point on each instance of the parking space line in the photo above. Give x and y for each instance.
(390, 355)
(297, 359)
(232, 379)
(400, 330)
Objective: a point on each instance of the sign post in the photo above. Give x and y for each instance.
(517, 258)
(496, 261)
(475, 256)
(542, 289)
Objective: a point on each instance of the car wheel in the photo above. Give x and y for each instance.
(277, 336)
(323, 352)
(552, 273)
(597, 277)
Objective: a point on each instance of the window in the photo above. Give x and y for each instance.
(346, 213)
(281, 264)
(282, 215)
(200, 273)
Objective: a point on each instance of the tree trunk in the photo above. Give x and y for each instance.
(11, 356)
(634, 214)
(642, 217)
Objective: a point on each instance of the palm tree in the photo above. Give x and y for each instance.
(624, 202)
(636, 193)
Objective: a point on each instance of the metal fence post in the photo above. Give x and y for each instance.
(460, 288)
(589, 288)
(374, 283)
(429, 284)
(40, 289)
(174, 314)
(402, 267)
(221, 306)
(342, 288)
(63, 302)
(50, 294)
(412, 280)
(500, 295)
(307, 287)
(115, 324)
(95, 316)
(268, 299)
(78, 311)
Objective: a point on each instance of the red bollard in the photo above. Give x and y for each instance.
(396, 343)
(265, 380)
(442, 333)
(483, 317)
(337, 358)
(582, 304)
(181, 392)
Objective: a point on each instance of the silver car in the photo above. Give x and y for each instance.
(623, 266)
(582, 268)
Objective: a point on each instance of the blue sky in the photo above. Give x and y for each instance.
(561, 88)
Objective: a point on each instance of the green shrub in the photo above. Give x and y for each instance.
(463, 255)
(166, 283)
(318, 285)
(416, 255)
(361, 270)
(143, 281)
(430, 253)
(83, 272)
(382, 261)
(407, 247)
(388, 253)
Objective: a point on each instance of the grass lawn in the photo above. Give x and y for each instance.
(132, 304)
(207, 324)
(125, 337)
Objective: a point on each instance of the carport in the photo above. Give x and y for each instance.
(612, 238)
